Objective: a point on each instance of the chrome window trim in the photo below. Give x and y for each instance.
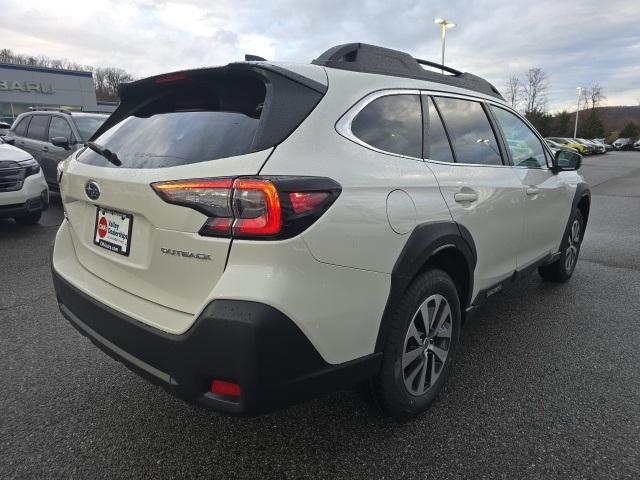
(343, 125)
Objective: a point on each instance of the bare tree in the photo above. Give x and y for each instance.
(594, 96)
(514, 91)
(536, 86)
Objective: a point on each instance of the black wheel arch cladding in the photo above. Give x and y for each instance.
(582, 197)
(426, 242)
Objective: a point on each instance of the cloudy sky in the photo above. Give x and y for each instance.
(575, 42)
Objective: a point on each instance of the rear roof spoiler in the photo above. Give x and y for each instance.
(281, 115)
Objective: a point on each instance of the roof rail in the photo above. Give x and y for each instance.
(362, 57)
(50, 109)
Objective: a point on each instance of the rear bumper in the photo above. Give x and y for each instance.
(32, 205)
(244, 342)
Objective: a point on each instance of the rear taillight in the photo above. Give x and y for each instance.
(253, 207)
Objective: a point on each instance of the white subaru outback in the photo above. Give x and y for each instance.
(250, 235)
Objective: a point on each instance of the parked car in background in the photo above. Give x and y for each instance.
(4, 128)
(569, 142)
(50, 136)
(603, 141)
(623, 144)
(590, 149)
(555, 146)
(597, 147)
(636, 146)
(23, 190)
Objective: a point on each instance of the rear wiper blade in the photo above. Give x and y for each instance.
(105, 152)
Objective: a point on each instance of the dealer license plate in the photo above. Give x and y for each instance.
(113, 231)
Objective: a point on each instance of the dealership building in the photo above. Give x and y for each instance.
(23, 87)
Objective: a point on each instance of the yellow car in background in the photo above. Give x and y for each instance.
(567, 142)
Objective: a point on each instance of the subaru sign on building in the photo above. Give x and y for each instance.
(22, 87)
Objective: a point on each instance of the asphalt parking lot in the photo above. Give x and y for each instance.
(546, 384)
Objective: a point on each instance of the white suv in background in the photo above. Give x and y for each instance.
(23, 191)
(251, 235)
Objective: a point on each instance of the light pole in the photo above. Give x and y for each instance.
(575, 130)
(444, 26)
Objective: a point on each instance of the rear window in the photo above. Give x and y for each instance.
(186, 125)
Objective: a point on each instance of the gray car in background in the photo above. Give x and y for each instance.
(50, 136)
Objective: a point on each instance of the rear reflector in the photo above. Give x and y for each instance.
(225, 389)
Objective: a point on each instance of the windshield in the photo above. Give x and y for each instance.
(87, 126)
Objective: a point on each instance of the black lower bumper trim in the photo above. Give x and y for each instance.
(33, 205)
(248, 343)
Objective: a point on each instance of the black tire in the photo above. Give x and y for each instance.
(562, 269)
(29, 219)
(389, 388)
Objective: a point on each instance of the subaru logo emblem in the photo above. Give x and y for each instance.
(92, 190)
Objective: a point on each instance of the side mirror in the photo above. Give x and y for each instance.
(61, 142)
(5, 125)
(564, 160)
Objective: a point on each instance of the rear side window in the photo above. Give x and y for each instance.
(59, 127)
(470, 131)
(21, 128)
(437, 144)
(392, 123)
(38, 127)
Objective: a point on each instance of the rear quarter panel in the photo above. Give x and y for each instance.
(355, 231)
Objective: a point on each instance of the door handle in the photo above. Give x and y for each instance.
(45, 149)
(532, 190)
(465, 197)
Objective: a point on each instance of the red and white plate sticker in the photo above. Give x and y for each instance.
(113, 231)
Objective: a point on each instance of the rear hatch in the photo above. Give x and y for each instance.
(207, 123)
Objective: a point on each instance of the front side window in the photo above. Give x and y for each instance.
(392, 124)
(470, 131)
(59, 127)
(38, 127)
(525, 147)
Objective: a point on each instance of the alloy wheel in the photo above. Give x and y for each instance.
(571, 256)
(426, 345)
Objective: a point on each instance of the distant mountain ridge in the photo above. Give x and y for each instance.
(615, 118)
